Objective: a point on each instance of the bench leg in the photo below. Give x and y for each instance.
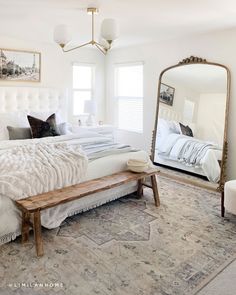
(140, 188)
(38, 233)
(25, 227)
(222, 204)
(155, 190)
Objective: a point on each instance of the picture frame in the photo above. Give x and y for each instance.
(167, 94)
(20, 65)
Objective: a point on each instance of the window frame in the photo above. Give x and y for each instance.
(117, 97)
(92, 89)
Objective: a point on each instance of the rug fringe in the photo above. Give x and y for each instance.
(9, 237)
(92, 206)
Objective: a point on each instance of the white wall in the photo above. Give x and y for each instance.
(182, 93)
(218, 47)
(56, 69)
(210, 125)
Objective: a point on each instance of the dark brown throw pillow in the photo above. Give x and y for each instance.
(40, 128)
(186, 130)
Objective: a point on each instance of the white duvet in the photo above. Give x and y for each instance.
(53, 163)
(192, 152)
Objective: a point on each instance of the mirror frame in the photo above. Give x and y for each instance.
(189, 61)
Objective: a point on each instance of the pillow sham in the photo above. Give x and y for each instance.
(40, 128)
(186, 130)
(19, 133)
(16, 119)
(63, 129)
(165, 128)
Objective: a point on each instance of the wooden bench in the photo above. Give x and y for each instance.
(34, 205)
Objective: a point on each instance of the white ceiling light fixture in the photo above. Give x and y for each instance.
(109, 33)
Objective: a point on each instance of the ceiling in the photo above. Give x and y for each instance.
(201, 78)
(141, 21)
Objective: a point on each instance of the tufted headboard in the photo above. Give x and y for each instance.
(33, 99)
(169, 114)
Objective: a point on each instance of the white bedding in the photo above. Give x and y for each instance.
(10, 218)
(193, 153)
(33, 169)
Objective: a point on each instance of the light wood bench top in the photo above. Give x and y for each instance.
(74, 192)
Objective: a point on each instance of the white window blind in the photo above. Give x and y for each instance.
(83, 86)
(129, 95)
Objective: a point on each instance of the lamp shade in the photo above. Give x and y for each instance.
(89, 107)
(109, 29)
(61, 34)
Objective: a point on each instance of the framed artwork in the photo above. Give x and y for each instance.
(167, 94)
(19, 65)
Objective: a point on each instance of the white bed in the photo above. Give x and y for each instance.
(13, 99)
(170, 142)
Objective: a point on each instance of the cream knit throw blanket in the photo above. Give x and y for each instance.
(37, 168)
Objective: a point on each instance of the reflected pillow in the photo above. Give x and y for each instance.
(40, 128)
(186, 130)
(164, 129)
(19, 133)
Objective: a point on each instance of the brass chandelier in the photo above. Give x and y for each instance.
(109, 33)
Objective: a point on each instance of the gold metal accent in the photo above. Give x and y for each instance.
(99, 46)
(102, 48)
(91, 10)
(192, 59)
(198, 60)
(223, 167)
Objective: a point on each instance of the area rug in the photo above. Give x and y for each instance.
(127, 247)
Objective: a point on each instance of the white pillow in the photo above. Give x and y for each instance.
(14, 119)
(165, 128)
(64, 129)
(176, 127)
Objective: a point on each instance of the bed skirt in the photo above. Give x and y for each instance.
(79, 206)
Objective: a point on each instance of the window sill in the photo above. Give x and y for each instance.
(130, 131)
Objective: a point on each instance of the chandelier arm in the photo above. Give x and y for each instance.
(101, 48)
(62, 40)
(104, 47)
(71, 49)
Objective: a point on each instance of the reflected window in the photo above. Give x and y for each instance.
(188, 110)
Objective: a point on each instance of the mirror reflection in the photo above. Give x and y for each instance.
(191, 119)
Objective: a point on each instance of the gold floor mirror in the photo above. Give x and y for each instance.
(190, 132)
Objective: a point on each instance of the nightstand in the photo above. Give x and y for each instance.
(105, 130)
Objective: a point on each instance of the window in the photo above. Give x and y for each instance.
(83, 86)
(129, 95)
(188, 110)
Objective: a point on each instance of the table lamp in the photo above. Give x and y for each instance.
(90, 108)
